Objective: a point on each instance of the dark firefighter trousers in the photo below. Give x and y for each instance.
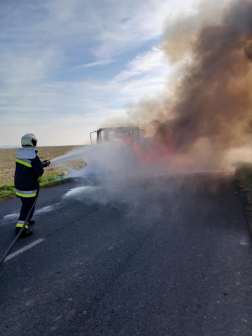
(27, 203)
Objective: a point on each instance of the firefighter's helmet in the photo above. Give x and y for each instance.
(29, 139)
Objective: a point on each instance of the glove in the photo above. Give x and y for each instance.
(46, 163)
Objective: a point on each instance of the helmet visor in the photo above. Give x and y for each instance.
(34, 142)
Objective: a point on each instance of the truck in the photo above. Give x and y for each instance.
(146, 150)
(129, 135)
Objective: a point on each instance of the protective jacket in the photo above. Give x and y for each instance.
(28, 169)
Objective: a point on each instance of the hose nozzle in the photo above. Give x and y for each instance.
(46, 163)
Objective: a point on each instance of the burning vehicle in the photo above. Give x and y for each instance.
(119, 153)
(147, 150)
(129, 136)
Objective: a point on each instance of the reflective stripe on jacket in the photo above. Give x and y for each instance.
(28, 169)
(27, 163)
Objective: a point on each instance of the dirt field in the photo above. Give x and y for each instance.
(7, 161)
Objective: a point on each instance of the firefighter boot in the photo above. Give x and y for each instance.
(25, 233)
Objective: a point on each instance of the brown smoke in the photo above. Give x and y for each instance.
(206, 112)
(213, 100)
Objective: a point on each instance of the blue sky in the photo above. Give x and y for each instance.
(66, 66)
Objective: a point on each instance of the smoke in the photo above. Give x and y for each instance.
(113, 163)
(204, 116)
(115, 174)
(206, 109)
(201, 122)
(106, 160)
(213, 101)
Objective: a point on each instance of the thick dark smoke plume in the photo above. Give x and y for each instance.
(205, 116)
(213, 101)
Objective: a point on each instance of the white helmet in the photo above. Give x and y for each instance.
(29, 139)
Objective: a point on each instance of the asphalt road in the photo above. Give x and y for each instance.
(163, 256)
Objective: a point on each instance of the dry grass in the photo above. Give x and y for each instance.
(7, 162)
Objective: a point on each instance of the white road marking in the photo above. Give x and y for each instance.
(36, 242)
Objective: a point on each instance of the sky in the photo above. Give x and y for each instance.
(66, 66)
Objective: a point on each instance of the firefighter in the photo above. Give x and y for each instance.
(28, 170)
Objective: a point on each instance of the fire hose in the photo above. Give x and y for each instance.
(20, 231)
(45, 164)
